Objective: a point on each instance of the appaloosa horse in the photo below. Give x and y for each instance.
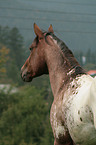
(73, 112)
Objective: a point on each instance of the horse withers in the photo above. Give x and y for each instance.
(73, 112)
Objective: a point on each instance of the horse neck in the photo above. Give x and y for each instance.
(58, 66)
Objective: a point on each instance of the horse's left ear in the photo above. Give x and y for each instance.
(38, 31)
(50, 29)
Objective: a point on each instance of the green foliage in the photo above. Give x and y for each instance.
(47, 139)
(7, 100)
(12, 46)
(4, 35)
(24, 118)
(16, 46)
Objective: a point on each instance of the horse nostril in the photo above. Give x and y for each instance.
(28, 72)
(21, 72)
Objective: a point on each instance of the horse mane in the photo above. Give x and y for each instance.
(67, 53)
(61, 44)
(65, 50)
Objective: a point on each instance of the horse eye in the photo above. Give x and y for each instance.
(31, 48)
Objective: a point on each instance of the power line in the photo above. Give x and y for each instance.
(66, 31)
(49, 11)
(83, 32)
(71, 3)
(48, 19)
(68, 3)
(57, 31)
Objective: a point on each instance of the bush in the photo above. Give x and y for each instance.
(24, 118)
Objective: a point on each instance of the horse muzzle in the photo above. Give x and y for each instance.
(26, 76)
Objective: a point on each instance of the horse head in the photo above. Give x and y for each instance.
(36, 65)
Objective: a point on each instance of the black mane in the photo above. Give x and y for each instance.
(67, 52)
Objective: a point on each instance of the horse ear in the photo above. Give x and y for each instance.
(38, 31)
(50, 29)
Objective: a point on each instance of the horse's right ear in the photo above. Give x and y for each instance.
(50, 29)
(38, 31)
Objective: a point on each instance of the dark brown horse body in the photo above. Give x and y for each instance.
(49, 55)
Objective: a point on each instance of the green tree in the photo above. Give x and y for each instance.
(12, 39)
(16, 46)
(48, 138)
(13, 72)
(4, 35)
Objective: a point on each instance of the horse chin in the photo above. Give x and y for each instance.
(27, 79)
